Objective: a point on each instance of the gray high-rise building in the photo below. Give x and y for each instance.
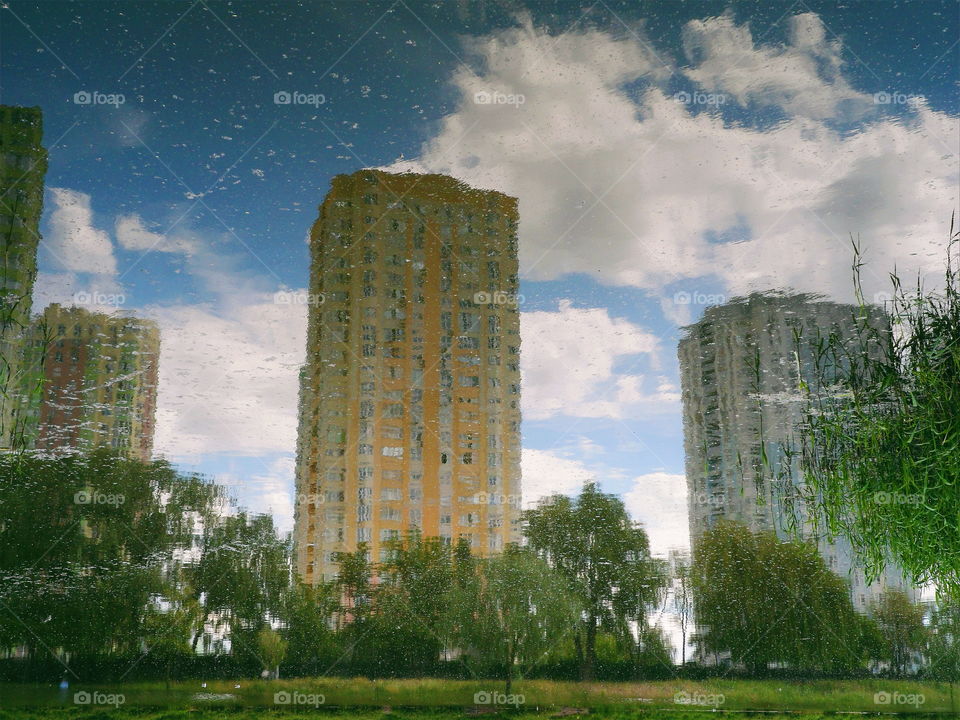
(23, 165)
(741, 368)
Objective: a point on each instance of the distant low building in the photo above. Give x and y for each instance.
(99, 376)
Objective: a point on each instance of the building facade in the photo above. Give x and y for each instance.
(23, 165)
(410, 395)
(741, 368)
(99, 387)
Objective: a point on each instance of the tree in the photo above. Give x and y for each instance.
(169, 624)
(681, 598)
(653, 649)
(412, 599)
(87, 544)
(511, 612)
(242, 576)
(400, 628)
(309, 611)
(943, 648)
(766, 601)
(901, 629)
(354, 581)
(880, 444)
(272, 649)
(605, 558)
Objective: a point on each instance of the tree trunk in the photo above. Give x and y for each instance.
(590, 651)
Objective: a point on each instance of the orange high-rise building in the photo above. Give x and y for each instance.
(410, 396)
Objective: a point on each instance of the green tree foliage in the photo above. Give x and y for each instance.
(402, 632)
(681, 597)
(415, 592)
(605, 558)
(903, 634)
(308, 613)
(86, 543)
(354, 581)
(765, 601)
(170, 624)
(242, 575)
(881, 443)
(511, 612)
(272, 649)
(943, 646)
(653, 650)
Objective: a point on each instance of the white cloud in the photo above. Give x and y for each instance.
(228, 377)
(74, 243)
(628, 188)
(96, 293)
(569, 363)
(549, 472)
(802, 77)
(269, 492)
(658, 500)
(132, 235)
(54, 288)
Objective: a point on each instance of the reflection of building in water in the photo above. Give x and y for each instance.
(738, 353)
(99, 381)
(409, 403)
(23, 164)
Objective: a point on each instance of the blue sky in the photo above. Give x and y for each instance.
(661, 152)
